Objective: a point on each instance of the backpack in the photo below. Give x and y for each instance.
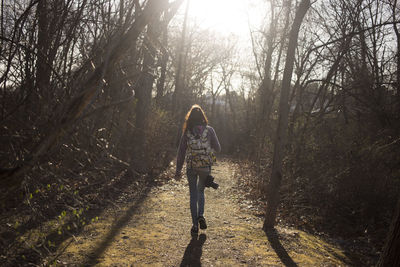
(200, 153)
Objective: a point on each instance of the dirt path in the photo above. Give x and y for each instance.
(156, 232)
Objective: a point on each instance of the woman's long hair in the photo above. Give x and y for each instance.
(194, 117)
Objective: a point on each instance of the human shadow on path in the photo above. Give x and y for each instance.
(193, 251)
(273, 239)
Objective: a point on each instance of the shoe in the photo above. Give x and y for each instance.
(202, 222)
(194, 230)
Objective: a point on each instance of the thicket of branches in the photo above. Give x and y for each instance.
(341, 166)
(77, 121)
(93, 95)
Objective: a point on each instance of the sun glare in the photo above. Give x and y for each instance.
(226, 16)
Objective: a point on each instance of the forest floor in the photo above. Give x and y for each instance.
(154, 230)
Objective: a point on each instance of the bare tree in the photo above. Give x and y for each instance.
(113, 52)
(281, 134)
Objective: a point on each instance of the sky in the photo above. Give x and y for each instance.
(228, 16)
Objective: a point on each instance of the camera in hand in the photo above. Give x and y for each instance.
(210, 182)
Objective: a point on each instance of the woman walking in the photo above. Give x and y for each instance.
(198, 142)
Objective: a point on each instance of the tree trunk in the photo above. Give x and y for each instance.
(163, 64)
(396, 30)
(281, 134)
(391, 251)
(231, 106)
(213, 113)
(176, 98)
(2, 17)
(143, 94)
(51, 17)
(164, 53)
(269, 92)
(265, 88)
(42, 66)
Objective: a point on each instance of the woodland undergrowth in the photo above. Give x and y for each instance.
(336, 186)
(89, 169)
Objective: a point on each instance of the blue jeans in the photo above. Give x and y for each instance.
(196, 179)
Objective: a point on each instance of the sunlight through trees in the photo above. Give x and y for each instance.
(304, 96)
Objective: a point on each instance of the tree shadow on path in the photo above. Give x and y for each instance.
(93, 256)
(110, 192)
(273, 239)
(194, 251)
